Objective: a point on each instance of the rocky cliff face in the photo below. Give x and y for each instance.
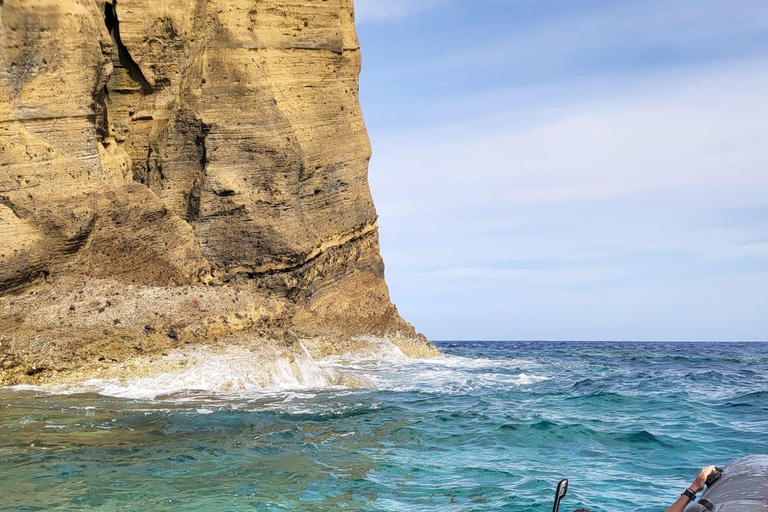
(183, 172)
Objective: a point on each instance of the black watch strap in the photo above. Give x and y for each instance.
(688, 493)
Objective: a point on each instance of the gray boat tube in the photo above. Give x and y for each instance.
(742, 488)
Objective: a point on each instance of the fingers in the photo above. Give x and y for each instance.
(701, 478)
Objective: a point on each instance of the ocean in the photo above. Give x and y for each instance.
(492, 426)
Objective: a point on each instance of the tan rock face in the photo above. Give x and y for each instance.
(150, 145)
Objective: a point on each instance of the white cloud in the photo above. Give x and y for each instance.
(702, 133)
(594, 173)
(369, 10)
(571, 41)
(602, 207)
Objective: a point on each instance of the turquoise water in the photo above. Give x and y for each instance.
(493, 426)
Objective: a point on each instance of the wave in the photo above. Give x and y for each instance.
(448, 375)
(753, 399)
(207, 374)
(707, 376)
(232, 370)
(641, 437)
(753, 395)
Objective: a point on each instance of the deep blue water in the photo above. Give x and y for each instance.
(493, 426)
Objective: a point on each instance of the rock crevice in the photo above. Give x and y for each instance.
(123, 55)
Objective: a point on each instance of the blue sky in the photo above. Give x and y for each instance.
(591, 170)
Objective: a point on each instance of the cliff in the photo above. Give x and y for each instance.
(182, 173)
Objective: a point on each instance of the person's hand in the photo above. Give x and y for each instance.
(701, 478)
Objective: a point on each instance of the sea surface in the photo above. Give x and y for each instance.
(492, 426)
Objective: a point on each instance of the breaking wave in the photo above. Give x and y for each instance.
(379, 364)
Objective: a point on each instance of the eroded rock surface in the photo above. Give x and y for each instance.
(201, 164)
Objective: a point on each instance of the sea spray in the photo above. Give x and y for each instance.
(237, 369)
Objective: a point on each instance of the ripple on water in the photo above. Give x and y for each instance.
(492, 426)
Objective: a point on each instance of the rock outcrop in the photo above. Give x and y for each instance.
(182, 172)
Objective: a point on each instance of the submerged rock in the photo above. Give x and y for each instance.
(199, 165)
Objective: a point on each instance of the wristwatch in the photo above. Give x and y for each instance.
(688, 493)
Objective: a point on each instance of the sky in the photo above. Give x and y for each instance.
(562, 170)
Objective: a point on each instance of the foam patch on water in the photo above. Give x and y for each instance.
(208, 371)
(445, 375)
(376, 363)
(237, 370)
(380, 349)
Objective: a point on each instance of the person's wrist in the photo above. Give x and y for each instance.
(689, 493)
(695, 488)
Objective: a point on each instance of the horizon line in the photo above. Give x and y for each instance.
(597, 341)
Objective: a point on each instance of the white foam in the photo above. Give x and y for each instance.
(380, 349)
(207, 371)
(205, 374)
(445, 375)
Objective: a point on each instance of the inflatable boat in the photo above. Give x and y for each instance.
(743, 487)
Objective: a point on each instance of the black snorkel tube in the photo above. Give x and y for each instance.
(560, 492)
